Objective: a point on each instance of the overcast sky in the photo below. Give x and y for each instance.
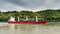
(33, 5)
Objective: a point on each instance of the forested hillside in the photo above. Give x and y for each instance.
(49, 15)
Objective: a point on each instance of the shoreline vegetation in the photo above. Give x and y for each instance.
(49, 15)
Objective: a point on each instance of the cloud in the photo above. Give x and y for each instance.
(6, 6)
(29, 4)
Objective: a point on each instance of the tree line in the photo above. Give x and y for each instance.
(49, 14)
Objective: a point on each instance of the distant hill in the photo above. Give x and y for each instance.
(49, 15)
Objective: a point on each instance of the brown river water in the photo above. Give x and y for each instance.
(28, 29)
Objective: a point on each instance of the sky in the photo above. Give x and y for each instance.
(33, 5)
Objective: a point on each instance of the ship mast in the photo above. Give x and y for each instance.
(36, 19)
(26, 17)
(18, 19)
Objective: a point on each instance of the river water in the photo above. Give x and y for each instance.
(29, 29)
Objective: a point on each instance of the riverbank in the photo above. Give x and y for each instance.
(49, 23)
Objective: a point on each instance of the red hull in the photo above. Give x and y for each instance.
(42, 22)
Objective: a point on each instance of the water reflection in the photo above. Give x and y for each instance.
(30, 29)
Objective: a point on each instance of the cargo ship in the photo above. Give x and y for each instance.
(26, 21)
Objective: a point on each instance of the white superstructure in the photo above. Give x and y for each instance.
(12, 19)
